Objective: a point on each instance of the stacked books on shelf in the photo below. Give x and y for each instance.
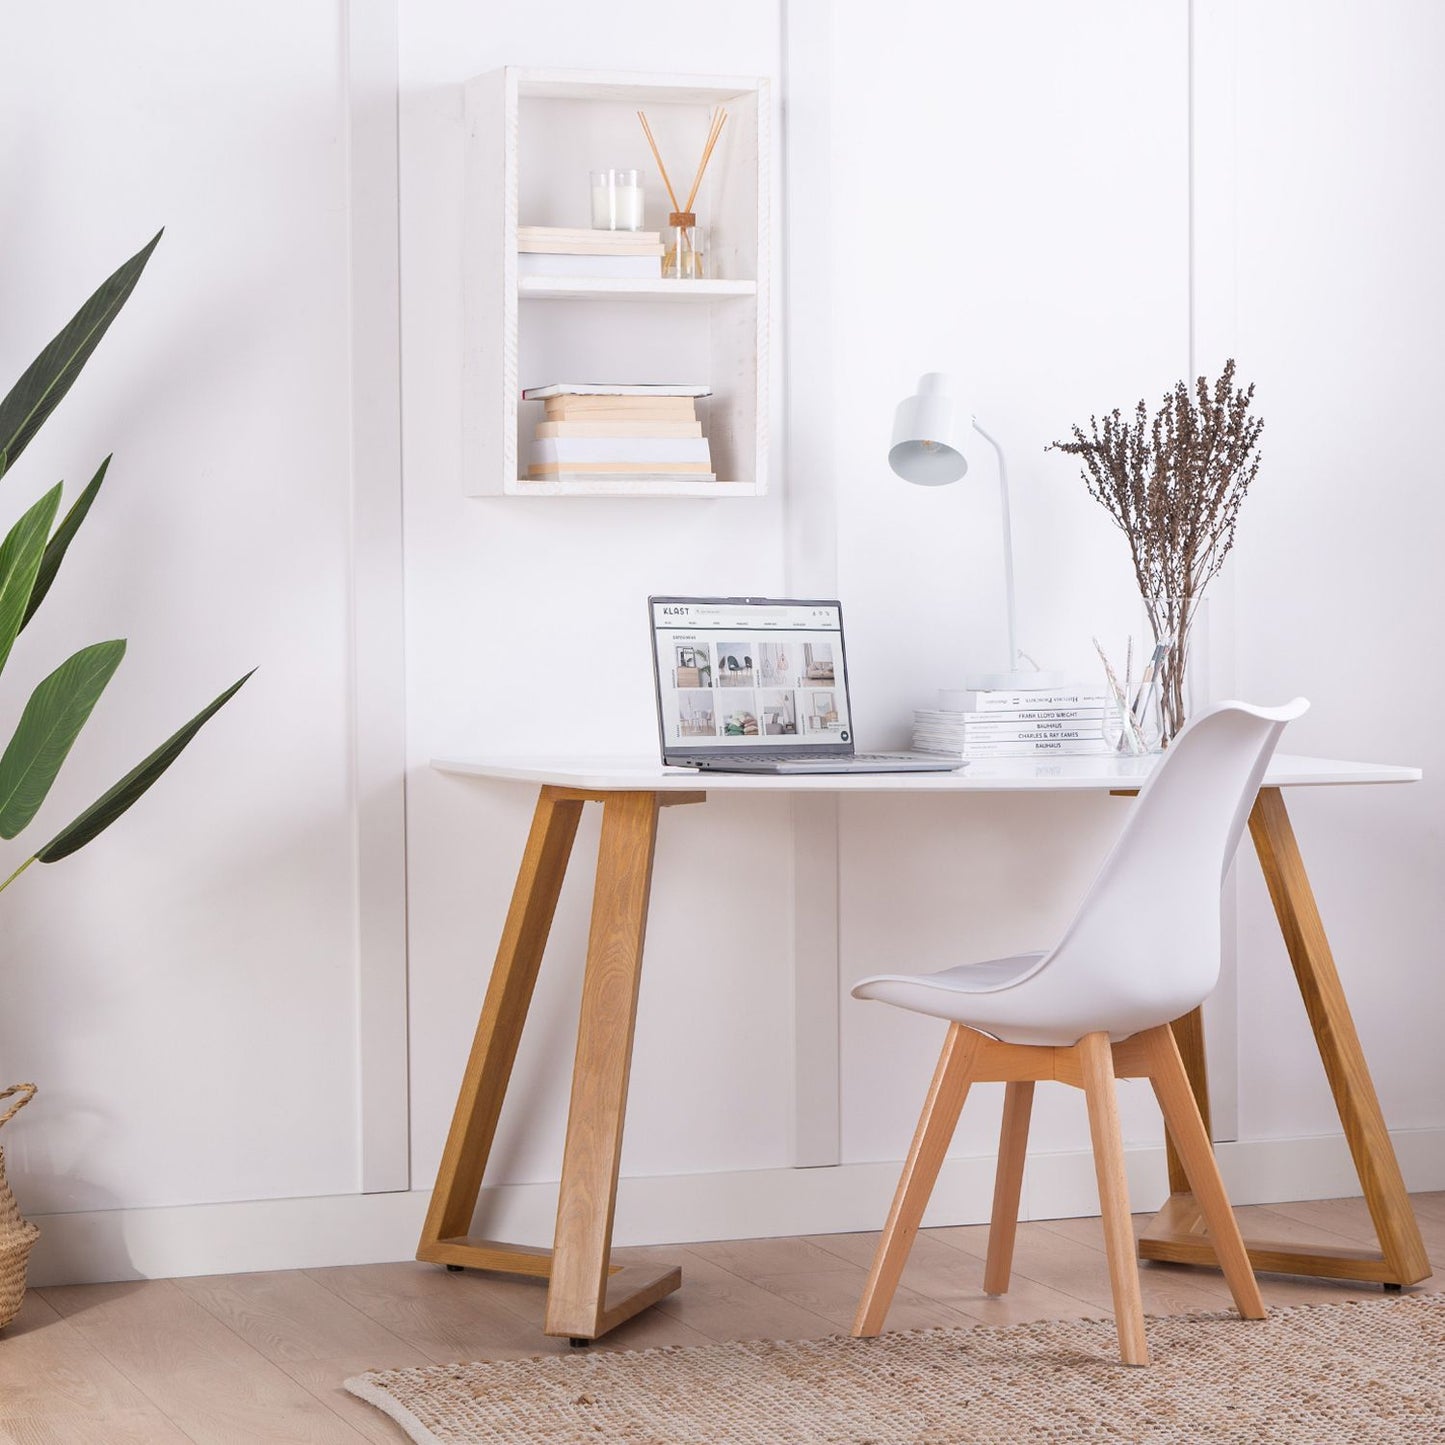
(641, 433)
(1058, 722)
(568, 251)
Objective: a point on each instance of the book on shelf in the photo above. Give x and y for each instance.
(574, 475)
(650, 450)
(582, 389)
(586, 249)
(588, 234)
(632, 428)
(629, 468)
(592, 268)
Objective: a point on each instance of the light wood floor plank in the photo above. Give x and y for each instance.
(199, 1372)
(48, 1368)
(954, 1278)
(317, 1338)
(122, 1427)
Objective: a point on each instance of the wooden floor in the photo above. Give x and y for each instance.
(251, 1357)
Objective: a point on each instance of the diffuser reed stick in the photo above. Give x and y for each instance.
(657, 156)
(718, 120)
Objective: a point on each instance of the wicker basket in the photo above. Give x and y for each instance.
(17, 1235)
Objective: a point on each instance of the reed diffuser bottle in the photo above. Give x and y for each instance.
(682, 261)
(682, 258)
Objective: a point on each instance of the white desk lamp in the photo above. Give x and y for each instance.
(928, 450)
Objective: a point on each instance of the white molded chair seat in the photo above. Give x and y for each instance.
(1142, 951)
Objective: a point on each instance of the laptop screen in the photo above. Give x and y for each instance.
(736, 674)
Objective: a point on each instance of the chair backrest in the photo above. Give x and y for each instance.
(1144, 947)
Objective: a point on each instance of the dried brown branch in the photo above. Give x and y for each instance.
(1174, 483)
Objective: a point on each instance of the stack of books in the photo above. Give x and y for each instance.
(565, 251)
(623, 433)
(1058, 722)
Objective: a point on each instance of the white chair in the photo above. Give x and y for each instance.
(1141, 951)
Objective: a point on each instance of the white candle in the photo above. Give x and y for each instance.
(616, 201)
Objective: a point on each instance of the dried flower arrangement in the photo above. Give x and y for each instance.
(1173, 483)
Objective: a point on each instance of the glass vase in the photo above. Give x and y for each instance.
(1162, 673)
(1177, 632)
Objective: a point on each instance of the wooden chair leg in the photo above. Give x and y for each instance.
(1096, 1062)
(1186, 1127)
(1018, 1103)
(930, 1143)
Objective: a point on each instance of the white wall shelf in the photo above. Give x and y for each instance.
(610, 288)
(532, 137)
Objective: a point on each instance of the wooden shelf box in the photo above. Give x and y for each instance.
(533, 136)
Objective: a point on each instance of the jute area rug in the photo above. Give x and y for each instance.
(1338, 1374)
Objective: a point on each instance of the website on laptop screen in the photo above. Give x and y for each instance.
(734, 674)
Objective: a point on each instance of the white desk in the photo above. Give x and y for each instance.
(587, 1296)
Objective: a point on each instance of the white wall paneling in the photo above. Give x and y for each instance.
(378, 637)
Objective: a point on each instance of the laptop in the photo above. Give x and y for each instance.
(756, 685)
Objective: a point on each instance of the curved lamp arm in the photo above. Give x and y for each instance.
(1008, 541)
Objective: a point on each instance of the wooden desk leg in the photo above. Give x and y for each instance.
(579, 1267)
(579, 1302)
(1176, 1233)
(445, 1236)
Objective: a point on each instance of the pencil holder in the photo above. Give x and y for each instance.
(682, 260)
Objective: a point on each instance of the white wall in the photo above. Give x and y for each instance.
(184, 990)
(1019, 194)
(1321, 233)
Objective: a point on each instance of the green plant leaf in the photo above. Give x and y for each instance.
(55, 549)
(50, 375)
(107, 808)
(20, 556)
(48, 728)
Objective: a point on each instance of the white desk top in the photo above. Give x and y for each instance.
(993, 775)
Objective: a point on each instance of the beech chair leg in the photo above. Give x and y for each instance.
(1186, 1128)
(1018, 1103)
(930, 1143)
(1097, 1067)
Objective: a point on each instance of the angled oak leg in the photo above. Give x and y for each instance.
(1018, 1103)
(1096, 1064)
(608, 1012)
(577, 1299)
(930, 1143)
(1176, 1233)
(445, 1238)
(1186, 1128)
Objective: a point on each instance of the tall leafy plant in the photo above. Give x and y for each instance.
(30, 557)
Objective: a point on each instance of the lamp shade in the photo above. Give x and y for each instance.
(927, 446)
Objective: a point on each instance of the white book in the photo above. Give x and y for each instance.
(1065, 736)
(1053, 747)
(587, 233)
(619, 428)
(586, 248)
(1039, 714)
(571, 450)
(613, 477)
(602, 268)
(608, 388)
(985, 733)
(989, 702)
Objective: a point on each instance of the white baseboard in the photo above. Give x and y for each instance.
(671, 1209)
